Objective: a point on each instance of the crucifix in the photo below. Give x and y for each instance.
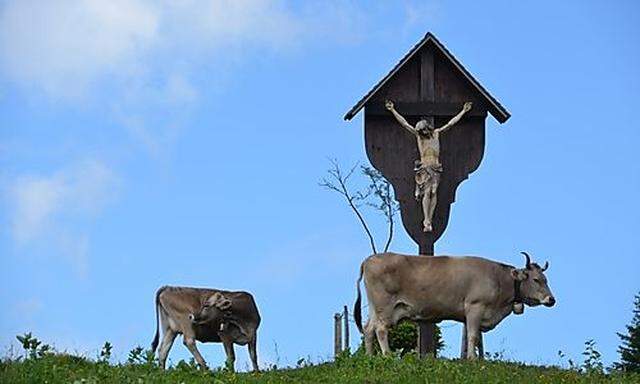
(428, 88)
(428, 168)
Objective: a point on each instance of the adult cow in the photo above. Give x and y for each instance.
(472, 290)
(206, 315)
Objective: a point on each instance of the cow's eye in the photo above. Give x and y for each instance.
(537, 280)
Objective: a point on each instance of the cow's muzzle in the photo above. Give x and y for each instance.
(549, 301)
(196, 319)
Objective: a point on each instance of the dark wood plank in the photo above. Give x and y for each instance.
(427, 76)
(423, 108)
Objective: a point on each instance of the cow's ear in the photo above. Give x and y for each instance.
(222, 302)
(519, 274)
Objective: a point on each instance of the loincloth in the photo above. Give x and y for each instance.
(427, 178)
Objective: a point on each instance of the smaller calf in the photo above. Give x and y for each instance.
(206, 315)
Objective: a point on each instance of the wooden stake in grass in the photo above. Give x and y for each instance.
(345, 319)
(337, 334)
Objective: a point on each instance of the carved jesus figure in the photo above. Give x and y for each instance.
(428, 168)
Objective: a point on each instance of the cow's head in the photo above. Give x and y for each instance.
(534, 289)
(212, 309)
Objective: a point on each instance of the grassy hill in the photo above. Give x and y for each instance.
(61, 368)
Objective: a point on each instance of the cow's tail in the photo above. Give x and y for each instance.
(357, 307)
(156, 338)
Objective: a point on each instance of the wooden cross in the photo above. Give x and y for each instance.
(428, 83)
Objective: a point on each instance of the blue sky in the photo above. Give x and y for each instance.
(148, 143)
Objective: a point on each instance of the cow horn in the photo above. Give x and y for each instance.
(546, 266)
(528, 259)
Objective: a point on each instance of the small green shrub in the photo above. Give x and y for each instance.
(139, 355)
(403, 339)
(105, 352)
(592, 358)
(33, 348)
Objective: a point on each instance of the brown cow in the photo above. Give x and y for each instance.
(206, 315)
(472, 290)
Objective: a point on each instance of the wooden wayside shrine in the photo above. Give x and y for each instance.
(428, 83)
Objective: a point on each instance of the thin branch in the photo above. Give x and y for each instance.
(390, 215)
(387, 205)
(335, 175)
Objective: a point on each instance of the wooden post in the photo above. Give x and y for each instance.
(337, 334)
(426, 331)
(427, 93)
(345, 318)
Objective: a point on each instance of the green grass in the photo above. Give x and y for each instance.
(61, 368)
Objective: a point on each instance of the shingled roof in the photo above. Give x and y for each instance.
(495, 108)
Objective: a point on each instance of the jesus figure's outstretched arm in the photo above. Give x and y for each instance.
(466, 108)
(389, 105)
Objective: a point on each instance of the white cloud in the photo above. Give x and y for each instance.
(223, 23)
(134, 58)
(35, 200)
(38, 200)
(46, 206)
(62, 46)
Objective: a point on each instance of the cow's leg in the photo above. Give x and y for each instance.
(381, 313)
(253, 353)
(382, 332)
(480, 346)
(463, 344)
(167, 341)
(231, 354)
(190, 342)
(369, 337)
(474, 317)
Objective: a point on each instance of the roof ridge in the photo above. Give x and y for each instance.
(498, 111)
